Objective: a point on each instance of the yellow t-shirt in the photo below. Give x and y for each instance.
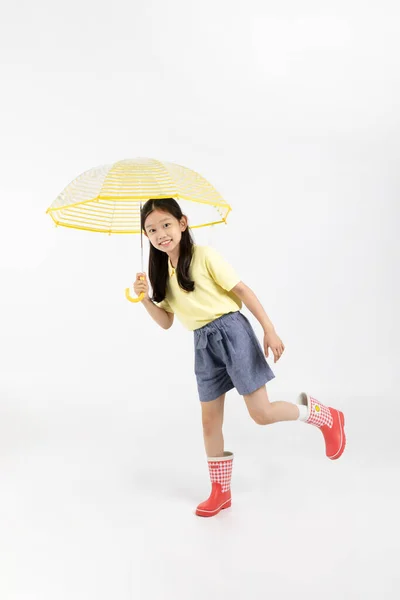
(214, 277)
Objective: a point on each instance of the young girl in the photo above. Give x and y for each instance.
(205, 293)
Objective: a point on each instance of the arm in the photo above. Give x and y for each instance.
(163, 318)
(248, 297)
(271, 339)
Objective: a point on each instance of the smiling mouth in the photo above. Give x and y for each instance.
(165, 243)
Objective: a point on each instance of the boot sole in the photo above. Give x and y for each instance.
(211, 513)
(342, 437)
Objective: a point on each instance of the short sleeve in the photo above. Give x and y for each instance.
(220, 269)
(165, 305)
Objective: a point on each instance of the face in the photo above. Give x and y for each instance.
(162, 227)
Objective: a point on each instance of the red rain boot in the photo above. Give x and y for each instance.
(220, 469)
(330, 421)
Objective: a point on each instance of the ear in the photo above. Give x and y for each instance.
(185, 222)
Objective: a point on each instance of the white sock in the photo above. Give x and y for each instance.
(303, 412)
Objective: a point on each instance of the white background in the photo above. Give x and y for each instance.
(291, 110)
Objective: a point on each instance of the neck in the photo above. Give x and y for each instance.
(174, 257)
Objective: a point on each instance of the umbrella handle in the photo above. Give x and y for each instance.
(129, 297)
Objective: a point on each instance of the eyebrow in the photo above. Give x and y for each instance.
(162, 220)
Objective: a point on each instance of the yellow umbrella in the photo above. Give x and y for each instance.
(108, 199)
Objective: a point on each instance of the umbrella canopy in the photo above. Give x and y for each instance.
(107, 198)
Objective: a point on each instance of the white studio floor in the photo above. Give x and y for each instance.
(95, 506)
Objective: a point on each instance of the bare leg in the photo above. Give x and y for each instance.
(212, 414)
(264, 412)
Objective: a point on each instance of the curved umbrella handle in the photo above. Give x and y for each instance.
(129, 297)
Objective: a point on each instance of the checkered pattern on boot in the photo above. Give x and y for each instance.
(220, 469)
(318, 414)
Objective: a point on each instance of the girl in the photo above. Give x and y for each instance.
(205, 293)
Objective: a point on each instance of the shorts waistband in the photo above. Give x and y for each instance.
(215, 326)
(216, 321)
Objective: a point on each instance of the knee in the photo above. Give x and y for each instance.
(262, 417)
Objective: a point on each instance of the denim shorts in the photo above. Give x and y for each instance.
(229, 355)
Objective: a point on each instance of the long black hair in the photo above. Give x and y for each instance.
(158, 260)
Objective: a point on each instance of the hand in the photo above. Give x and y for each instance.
(271, 340)
(141, 285)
